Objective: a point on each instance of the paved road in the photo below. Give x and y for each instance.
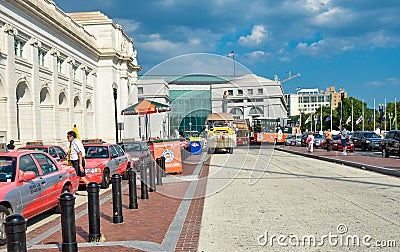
(296, 199)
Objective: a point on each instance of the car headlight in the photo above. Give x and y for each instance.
(368, 141)
(92, 170)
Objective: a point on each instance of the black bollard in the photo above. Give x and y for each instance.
(152, 176)
(159, 171)
(163, 166)
(133, 204)
(15, 228)
(143, 181)
(93, 190)
(67, 203)
(117, 198)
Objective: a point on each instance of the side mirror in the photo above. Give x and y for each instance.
(28, 175)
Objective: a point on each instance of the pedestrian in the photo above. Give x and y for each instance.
(11, 145)
(310, 142)
(328, 138)
(77, 155)
(343, 138)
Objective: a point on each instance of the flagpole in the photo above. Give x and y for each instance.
(352, 116)
(331, 115)
(395, 113)
(234, 67)
(320, 118)
(374, 115)
(385, 114)
(363, 114)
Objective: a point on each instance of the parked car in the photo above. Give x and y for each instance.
(318, 140)
(366, 140)
(138, 152)
(293, 140)
(57, 152)
(390, 145)
(103, 160)
(337, 144)
(31, 183)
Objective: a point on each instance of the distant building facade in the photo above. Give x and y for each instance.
(193, 97)
(307, 101)
(59, 69)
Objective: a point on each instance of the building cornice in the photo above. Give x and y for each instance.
(48, 12)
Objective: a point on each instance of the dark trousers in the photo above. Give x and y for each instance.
(328, 144)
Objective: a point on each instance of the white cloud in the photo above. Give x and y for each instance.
(128, 25)
(392, 81)
(257, 36)
(325, 47)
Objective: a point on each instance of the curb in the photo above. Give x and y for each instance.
(374, 168)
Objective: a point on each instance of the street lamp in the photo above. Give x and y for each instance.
(114, 87)
(301, 123)
(380, 109)
(390, 121)
(342, 107)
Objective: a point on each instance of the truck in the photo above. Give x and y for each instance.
(390, 145)
(221, 134)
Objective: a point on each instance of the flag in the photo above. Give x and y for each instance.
(394, 119)
(308, 119)
(75, 129)
(348, 120)
(370, 119)
(328, 118)
(359, 119)
(231, 54)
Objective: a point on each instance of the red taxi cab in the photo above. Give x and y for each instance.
(337, 144)
(57, 152)
(103, 160)
(31, 183)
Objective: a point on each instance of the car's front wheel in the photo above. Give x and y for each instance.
(4, 213)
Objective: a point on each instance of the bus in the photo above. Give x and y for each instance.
(270, 130)
(221, 134)
(242, 128)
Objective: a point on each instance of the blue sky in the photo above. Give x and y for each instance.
(352, 44)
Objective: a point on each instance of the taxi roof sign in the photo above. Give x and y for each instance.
(3, 147)
(33, 143)
(96, 140)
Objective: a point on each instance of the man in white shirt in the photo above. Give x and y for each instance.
(77, 155)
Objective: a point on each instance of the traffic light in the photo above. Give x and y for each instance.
(342, 96)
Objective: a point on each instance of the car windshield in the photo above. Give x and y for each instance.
(7, 169)
(336, 137)
(371, 135)
(318, 136)
(44, 149)
(96, 152)
(132, 147)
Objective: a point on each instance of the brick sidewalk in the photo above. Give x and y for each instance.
(151, 227)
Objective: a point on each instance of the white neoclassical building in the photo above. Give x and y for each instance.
(59, 69)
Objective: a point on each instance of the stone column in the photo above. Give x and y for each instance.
(35, 89)
(55, 89)
(10, 82)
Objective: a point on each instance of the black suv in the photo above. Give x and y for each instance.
(391, 144)
(366, 140)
